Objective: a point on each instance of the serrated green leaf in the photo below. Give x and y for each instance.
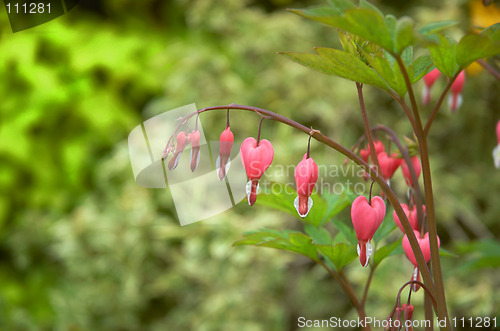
(443, 55)
(403, 34)
(338, 63)
(347, 230)
(473, 47)
(420, 67)
(363, 22)
(335, 203)
(292, 241)
(435, 27)
(407, 55)
(386, 251)
(340, 255)
(279, 197)
(369, 25)
(319, 235)
(389, 73)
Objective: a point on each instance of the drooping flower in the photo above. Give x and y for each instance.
(429, 80)
(366, 219)
(181, 144)
(388, 164)
(424, 244)
(306, 175)
(224, 160)
(195, 149)
(455, 98)
(496, 150)
(411, 214)
(406, 171)
(256, 158)
(365, 153)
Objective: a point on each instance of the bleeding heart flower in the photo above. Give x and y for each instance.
(366, 219)
(388, 164)
(181, 144)
(224, 160)
(365, 153)
(429, 80)
(306, 175)
(424, 244)
(406, 171)
(455, 98)
(256, 158)
(411, 214)
(195, 149)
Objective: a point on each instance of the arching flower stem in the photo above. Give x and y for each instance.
(318, 136)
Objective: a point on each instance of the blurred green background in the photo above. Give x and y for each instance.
(82, 247)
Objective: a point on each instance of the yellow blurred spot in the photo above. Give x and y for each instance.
(482, 16)
(474, 69)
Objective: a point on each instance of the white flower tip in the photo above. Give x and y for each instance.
(309, 206)
(496, 156)
(221, 175)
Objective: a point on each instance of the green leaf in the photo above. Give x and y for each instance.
(386, 251)
(420, 67)
(347, 230)
(340, 255)
(403, 34)
(385, 228)
(407, 55)
(319, 235)
(435, 27)
(338, 63)
(480, 254)
(473, 47)
(341, 5)
(280, 197)
(443, 55)
(292, 241)
(335, 203)
(367, 5)
(388, 72)
(367, 23)
(447, 253)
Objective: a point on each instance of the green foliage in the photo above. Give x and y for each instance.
(334, 62)
(325, 207)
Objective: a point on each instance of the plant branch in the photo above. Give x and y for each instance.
(368, 132)
(367, 286)
(406, 156)
(348, 289)
(489, 68)
(442, 310)
(438, 106)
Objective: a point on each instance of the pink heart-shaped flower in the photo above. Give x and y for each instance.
(256, 159)
(424, 244)
(366, 219)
